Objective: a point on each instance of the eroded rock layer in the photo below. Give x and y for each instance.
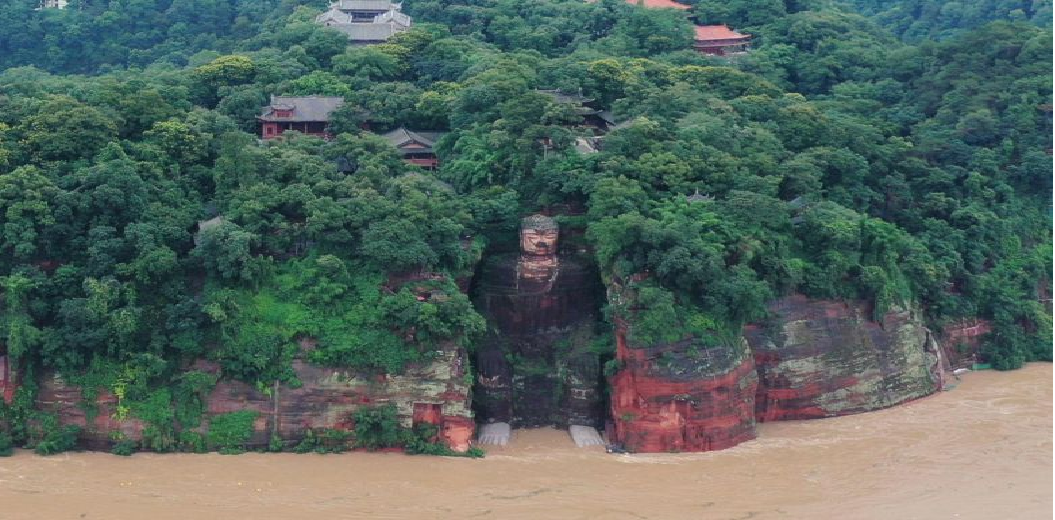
(822, 358)
(674, 398)
(436, 393)
(8, 376)
(962, 341)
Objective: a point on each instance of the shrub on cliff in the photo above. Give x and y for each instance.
(230, 432)
(377, 427)
(51, 437)
(6, 444)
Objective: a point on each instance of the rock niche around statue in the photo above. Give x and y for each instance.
(538, 303)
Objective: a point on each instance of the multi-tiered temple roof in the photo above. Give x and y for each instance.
(365, 21)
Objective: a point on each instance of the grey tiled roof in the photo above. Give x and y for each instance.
(560, 96)
(586, 145)
(369, 32)
(401, 136)
(367, 5)
(333, 16)
(394, 17)
(305, 108)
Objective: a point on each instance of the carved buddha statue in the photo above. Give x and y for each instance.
(539, 235)
(537, 267)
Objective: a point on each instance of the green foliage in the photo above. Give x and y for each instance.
(192, 442)
(66, 130)
(157, 413)
(377, 427)
(326, 440)
(6, 444)
(229, 432)
(49, 437)
(275, 444)
(916, 20)
(343, 309)
(307, 444)
(189, 394)
(122, 446)
(422, 440)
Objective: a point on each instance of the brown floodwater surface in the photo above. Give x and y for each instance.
(980, 451)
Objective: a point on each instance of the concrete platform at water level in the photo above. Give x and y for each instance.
(500, 433)
(494, 433)
(585, 436)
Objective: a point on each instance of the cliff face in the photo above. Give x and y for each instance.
(8, 383)
(674, 397)
(821, 358)
(962, 341)
(435, 393)
(814, 358)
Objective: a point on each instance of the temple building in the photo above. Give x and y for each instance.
(364, 10)
(308, 115)
(365, 21)
(719, 40)
(591, 116)
(416, 147)
(715, 40)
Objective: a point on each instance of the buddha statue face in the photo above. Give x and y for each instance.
(538, 236)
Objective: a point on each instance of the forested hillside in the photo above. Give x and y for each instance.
(918, 20)
(835, 160)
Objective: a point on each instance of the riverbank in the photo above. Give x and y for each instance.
(981, 451)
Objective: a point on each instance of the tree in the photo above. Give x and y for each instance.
(369, 62)
(64, 129)
(225, 71)
(225, 249)
(26, 203)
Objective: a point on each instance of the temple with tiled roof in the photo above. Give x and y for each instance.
(719, 40)
(365, 22)
(416, 147)
(308, 115)
(715, 40)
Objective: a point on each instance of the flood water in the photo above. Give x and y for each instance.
(980, 451)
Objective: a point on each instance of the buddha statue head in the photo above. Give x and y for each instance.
(538, 235)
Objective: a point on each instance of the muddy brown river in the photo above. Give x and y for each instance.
(980, 451)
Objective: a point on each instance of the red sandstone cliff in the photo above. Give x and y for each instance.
(667, 398)
(435, 393)
(823, 358)
(962, 341)
(8, 383)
